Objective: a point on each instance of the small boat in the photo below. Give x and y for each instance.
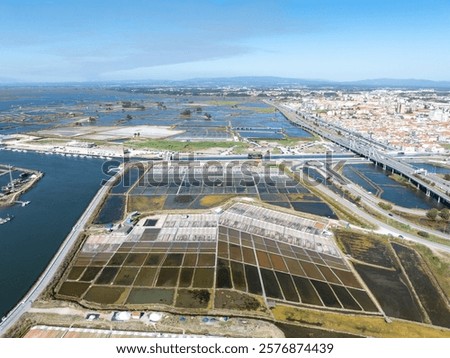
(5, 220)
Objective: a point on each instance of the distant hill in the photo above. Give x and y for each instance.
(267, 81)
(260, 82)
(255, 81)
(401, 83)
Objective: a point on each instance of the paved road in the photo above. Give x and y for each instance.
(47, 276)
(366, 147)
(306, 156)
(372, 201)
(384, 228)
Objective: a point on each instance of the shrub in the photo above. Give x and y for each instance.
(423, 234)
(385, 206)
(432, 214)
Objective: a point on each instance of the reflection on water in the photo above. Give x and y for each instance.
(434, 169)
(105, 105)
(377, 181)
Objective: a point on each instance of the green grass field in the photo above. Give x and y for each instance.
(371, 326)
(182, 146)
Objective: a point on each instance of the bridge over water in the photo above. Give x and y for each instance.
(368, 148)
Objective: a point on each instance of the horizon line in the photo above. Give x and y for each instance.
(12, 82)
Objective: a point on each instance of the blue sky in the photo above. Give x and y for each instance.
(89, 40)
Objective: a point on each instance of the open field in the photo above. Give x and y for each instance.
(428, 292)
(358, 325)
(439, 265)
(402, 282)
(404, 227)
(367, 248)
(376, 263)
(224, 103)
(145, 203)
(438, 224)
(182, 147)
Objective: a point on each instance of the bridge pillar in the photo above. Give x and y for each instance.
(439, 199)
(418, 186)
(384, 166)
(428, 192)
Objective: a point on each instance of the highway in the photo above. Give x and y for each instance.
(334, 156)
(383, 227)
(372, 202)
(47, 276)
(367, 147)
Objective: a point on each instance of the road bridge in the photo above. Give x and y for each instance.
(368, 148)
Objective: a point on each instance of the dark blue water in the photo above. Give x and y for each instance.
(352, 173)
(112, 210)
(29, 241)
(5, 178)
(261, 135)
(321, 209)
(246, 118)
(375, 179)
(433, 169)
(39, 101)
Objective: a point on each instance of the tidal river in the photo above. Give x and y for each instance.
(29, 241)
